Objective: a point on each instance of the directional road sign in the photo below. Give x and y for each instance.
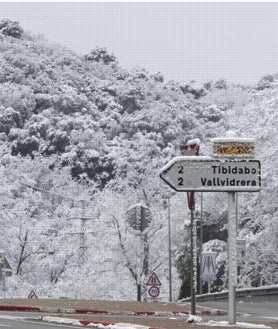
(208, 266)
(206, 174)
(241, 251)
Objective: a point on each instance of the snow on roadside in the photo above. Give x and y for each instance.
(245, 325)
(96, 325)
(191, 319)
(194, 319)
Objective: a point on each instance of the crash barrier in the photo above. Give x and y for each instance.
(269, 293)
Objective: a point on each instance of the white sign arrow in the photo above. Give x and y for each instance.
(206, 174)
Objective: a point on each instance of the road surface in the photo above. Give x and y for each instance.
(13, 322)
(257, 312)
(249, 310)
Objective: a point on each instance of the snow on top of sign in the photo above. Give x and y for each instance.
(193, 158)
(231, 133)
(232, 139)
(137, 205)
(195, 141)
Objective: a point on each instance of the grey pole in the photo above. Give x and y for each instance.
(192, 269)
(4, 276)
(170, 257)
(201, 244)
(232, 256)
(138, 272)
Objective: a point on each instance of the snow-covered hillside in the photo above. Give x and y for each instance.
(82, 138)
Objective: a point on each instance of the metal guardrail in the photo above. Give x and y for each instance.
(269, 293)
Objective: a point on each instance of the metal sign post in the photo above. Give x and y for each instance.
(236, 148)
(138, 269)
(193, 264)
(232, 266)
(192, 148)
(230, 174)
(3, 272)
(139, 221)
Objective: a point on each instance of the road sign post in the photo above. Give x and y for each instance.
(192, 148)
(232, 263)
(139, 222)
(229, 173)
(249, 174)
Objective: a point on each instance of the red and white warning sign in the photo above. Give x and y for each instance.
(153, 280)
(32, 295)
(154, 291)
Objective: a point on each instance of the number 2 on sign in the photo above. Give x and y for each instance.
(180, 179)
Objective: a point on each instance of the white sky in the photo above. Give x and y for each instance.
(183, 40)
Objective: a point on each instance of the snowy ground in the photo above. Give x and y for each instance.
(236, 325)
(191, 319)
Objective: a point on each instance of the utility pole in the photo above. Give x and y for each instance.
(82, 234)
(82, 247)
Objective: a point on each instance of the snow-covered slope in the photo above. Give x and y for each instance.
(82, 138)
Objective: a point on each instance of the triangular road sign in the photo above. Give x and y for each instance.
(32, 295)
(153, 280)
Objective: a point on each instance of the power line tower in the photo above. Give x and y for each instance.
(82, 246)
(82, 234)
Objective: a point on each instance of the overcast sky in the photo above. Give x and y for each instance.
(183, 40)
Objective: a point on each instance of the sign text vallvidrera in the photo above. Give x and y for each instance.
(206, 174)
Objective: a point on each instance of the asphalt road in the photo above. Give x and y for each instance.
(27, 320)
(114, 312)
(13, 322)
(260, 312)
(249, 310)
